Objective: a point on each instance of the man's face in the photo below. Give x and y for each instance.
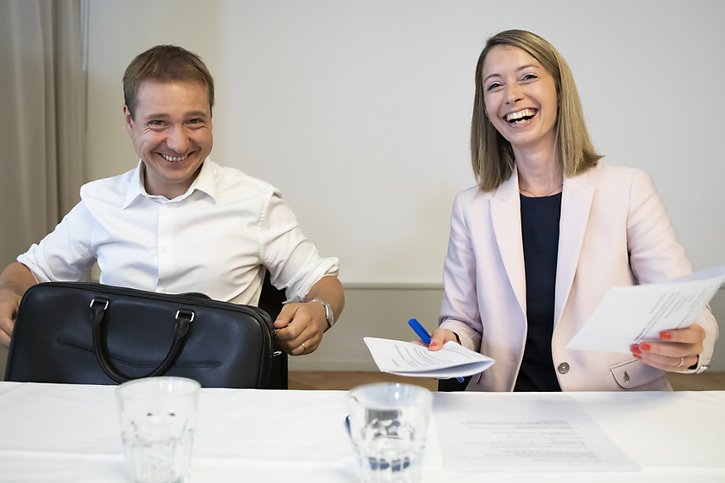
(171, 132)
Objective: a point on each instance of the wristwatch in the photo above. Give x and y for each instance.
(328, 312)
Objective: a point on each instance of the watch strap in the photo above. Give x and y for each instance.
(329, 315)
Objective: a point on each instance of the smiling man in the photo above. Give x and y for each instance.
(171, 132)
(179, 222)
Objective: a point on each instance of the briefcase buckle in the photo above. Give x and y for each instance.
(188, 313)
(184, 318)
(101, 300)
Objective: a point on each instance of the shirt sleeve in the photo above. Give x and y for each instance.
(292, 260)
(65, 253)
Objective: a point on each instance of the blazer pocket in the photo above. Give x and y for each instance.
(631, 374)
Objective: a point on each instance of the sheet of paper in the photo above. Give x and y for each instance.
(528, 434)
(628, 315)
(407, 359)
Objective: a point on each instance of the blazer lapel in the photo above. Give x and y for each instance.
(506, 220)
(576, 202)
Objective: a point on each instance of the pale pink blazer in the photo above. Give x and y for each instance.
(614, 231)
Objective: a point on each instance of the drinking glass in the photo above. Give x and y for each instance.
(388, 424)
(158, 418)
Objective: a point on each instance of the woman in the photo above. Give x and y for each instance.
(547, 230)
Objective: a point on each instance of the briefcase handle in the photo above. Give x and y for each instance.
(184, 318)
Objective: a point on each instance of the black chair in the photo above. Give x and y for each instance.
(271, 301)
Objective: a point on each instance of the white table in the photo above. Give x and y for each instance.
(70, 433)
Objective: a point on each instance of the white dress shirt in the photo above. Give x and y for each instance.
(216, 238)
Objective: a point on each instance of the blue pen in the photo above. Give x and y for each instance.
(424, 336)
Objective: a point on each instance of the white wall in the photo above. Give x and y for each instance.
(359, 111)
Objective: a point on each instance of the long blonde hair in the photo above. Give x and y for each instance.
(492, 156)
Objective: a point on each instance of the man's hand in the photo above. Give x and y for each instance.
(14, 281)
(9, 303)
(675, 351)
(299, 327)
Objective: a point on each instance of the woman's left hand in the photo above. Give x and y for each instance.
(675, 350)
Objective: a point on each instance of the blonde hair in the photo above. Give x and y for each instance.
(492, 156)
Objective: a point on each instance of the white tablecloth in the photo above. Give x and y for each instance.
(70, 433)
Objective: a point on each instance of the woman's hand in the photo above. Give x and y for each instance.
(675, 350)
(439, 337)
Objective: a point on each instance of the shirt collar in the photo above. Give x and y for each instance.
(204, 182)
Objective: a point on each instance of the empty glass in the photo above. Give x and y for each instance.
(388, 424)
(158, 418)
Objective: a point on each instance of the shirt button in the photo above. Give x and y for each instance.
(563, 368)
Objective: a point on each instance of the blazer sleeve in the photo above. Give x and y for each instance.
(656, 255)
(459, 310)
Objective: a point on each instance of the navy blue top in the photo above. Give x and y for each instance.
(540, 233)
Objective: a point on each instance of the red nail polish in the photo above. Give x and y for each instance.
(434, 344)
(664, 335)
(634, 348)
(644, 346)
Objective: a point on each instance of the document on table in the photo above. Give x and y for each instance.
(628, 315)
(524, 434)
(407, 359)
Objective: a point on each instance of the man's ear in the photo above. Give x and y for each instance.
(128, 118)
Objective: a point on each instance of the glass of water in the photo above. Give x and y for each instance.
(158, 417)
(388, 425)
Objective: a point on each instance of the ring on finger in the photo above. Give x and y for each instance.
(682, 361)
(304, 349)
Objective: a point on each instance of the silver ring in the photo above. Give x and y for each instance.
(682, 361)
(303, 349)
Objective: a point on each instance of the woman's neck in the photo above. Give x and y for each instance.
(539, 173)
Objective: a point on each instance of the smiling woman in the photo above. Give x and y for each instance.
(520, 77)
(521, 103)
(547, 231)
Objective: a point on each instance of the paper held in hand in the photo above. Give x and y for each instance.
(629, 315)
(407, 359)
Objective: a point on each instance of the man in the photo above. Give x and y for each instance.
(179, 222)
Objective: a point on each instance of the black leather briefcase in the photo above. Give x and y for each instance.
(70, 332)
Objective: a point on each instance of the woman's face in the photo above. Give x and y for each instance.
(520, 97)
